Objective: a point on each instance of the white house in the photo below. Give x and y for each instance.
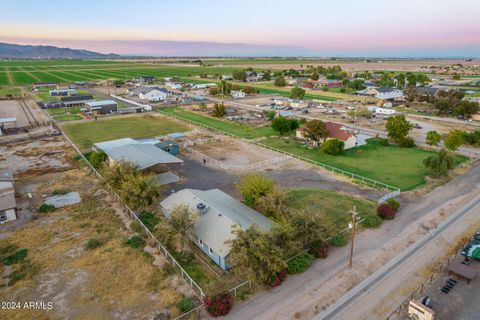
(218, 214)
(152, 94)
(203, 85)
(8, 205)
(174, 85)
(384, 113)
(335, 131)
(237, 94)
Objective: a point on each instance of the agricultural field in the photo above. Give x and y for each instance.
(85, 134)
(27, 72)
(399, 167)
(239, 130)
(10, 90)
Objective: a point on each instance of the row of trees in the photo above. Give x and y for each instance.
(451, 103)
(224, 89)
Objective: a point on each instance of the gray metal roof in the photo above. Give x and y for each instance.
(107, 145)
(101, 103)
(390, 95)
(142, 155)
(145, 90)
(214, 227)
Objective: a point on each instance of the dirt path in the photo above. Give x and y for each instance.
(10, 78)
(304, 295)
(30, 74)
(56, 76)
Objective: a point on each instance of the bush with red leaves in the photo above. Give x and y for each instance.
(219, 304)
(279, 278)
(386, 211)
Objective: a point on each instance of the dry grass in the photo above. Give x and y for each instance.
(112, 281)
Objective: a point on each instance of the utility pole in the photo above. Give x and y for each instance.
(353, 226)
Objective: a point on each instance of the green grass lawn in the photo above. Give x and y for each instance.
(67, 117)
(332, 203)
(399, 167)
(60, 111)
(240, 130)
(86, 133)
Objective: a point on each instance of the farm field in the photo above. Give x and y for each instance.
(10, 90)
(26, 72)
(243, 131)
(84, 134)
(399, 167)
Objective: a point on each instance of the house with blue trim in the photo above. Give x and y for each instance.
(217, 214)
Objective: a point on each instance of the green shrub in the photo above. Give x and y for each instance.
(59, 192)
(333, 147)
(384, 142)
(45, 207)
(300, 263)
(372, 221)
(338, 240)
(16, 257)
(406, 143)
(135, 242)
(97, 159)
(394, 203)
(92, 244)
(185, 305)
(149, 219)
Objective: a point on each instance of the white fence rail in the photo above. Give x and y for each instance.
(134, 216)
(355, 177)
(227, 167)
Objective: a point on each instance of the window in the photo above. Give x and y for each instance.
(210, 251)
(200, 242)
(3, 215)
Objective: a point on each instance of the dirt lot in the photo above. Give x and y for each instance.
(111, 281)
(13, 109)
(400, 65)
(233, 153)
(455, 304)
(287, 174)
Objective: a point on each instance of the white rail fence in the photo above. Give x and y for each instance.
(134, 217)
(227, 167)
(353, 176)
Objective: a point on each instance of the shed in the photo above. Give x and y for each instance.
(8, 204)
(169, 146)
(102, 107)
(458, 268)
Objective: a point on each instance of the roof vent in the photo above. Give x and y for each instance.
(202, 208)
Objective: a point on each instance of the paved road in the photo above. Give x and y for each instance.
(299, 292)
(342, 304)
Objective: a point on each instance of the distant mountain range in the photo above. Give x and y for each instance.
(17, 51)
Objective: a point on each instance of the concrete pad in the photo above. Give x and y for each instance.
(64, 200)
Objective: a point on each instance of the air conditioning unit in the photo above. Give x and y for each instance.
(420, 310)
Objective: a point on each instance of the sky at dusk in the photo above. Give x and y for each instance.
(407, 28)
